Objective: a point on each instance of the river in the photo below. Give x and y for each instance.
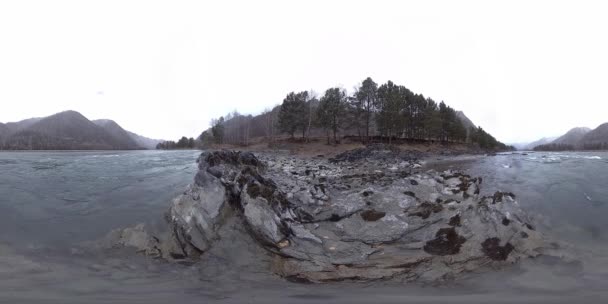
(51, 203)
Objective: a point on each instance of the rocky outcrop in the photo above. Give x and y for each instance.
(323, 221)
(376, 152)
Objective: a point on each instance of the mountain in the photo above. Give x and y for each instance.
(113, 128)
(145, 142)
(67, 130)
(572, 137)
(596, 139)
(23, 124)
(116, 131)
(3, 130)
(465, 120)
(542, 141)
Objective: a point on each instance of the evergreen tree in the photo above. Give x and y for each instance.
(366, 100)
(390, 104)
(217, 130)
(183, 142)
(331, 110)
(432, 120)
(293, 115)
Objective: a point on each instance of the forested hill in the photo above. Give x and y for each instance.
(579, 139)
(387, 112)
(67, 130)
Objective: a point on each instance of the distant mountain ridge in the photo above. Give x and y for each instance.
(3, 129)
(596, 139)
(532, 145)
(580, 138)
(145, 142)
(68, 130)
(115, 129)
(572, 137)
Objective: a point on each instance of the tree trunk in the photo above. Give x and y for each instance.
(367, 130)
(335, 138)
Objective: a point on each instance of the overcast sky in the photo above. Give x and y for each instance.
(521, 70)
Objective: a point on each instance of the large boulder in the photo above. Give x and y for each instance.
(324, 221)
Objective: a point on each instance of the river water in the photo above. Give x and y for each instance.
(51, 203)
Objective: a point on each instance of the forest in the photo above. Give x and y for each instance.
(182, 143)
(385, 112)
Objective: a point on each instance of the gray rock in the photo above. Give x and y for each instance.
(331, 221)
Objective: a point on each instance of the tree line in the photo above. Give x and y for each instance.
(568, 147)
(182, 143)
(387, 111)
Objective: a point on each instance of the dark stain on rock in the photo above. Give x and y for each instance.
(497, 197)
(463, 186)
(372, 215)
(455, 220)
(256, 190)
(451, 200)
(367, 193)
(410, 193)
(334, 218)
(529, 226)
(425, 209)
(446, 242)
(413, 182)
(298, 279)
(320, 187)
(177, 256)
(523, 235)
(506, 221)
(492, 249)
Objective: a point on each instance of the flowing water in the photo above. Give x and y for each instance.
(51, 203)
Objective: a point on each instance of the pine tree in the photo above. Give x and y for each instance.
(331, 111)
(390, 104)
(293, 115)
(366, 97)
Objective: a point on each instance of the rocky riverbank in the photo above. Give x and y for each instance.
(363, 215)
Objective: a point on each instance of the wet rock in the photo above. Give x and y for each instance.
(335, 221)
(376, 152)
(135, 237)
